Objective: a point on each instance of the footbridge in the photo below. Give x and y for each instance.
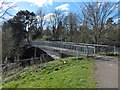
(57, 49)
(52, 47)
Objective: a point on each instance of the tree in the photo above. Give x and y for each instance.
(54, 35)
(111, 36)
(56, 24)
(59, 31)
(0, 44)
(84, 34)
(58, 16)
(28, 20)
(71, 22)
(12, 37)
(4, 9)
(15, 31)
(109, 23)
(95, 16)
(40, 20)
(7, 41)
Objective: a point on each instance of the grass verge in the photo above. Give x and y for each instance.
(72, 72)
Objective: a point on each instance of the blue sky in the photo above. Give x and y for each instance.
(48, 5)
(73, 7)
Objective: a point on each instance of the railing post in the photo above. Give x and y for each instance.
(84, 51)
(87, 51)
(94, 51)
(114, 49)
(77, 48)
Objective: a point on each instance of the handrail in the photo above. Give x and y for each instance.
(89, 50)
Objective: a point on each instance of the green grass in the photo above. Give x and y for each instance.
(64, 73)
(117, 54)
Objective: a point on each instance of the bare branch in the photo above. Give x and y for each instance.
(4, 12)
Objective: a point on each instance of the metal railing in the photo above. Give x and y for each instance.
(98, 47)
(76, 49)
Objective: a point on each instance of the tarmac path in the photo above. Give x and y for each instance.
(106, 72)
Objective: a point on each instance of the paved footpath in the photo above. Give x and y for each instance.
(106, 72)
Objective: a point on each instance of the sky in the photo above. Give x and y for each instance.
(47, 5)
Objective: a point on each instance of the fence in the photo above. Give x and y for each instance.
(77, 49)
(104, 48)
(80, 48)
(98, 48)
(25, 62)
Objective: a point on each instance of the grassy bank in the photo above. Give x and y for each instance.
(69, 72)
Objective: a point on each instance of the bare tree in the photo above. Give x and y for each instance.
(4, 8)
(71, 23)
(84, 34)
(58, 17)
(56, 23)
(40, 19)
(95, 16)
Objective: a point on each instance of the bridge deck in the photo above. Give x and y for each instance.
(64, 50)
(66, 47)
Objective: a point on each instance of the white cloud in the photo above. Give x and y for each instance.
(37, 17)
(65, 13)
(99, 4)
(13, 4)
(9, 17)
(49, 17)
(117, 19)
(52, 16)
(39, 3)
(63, 7)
